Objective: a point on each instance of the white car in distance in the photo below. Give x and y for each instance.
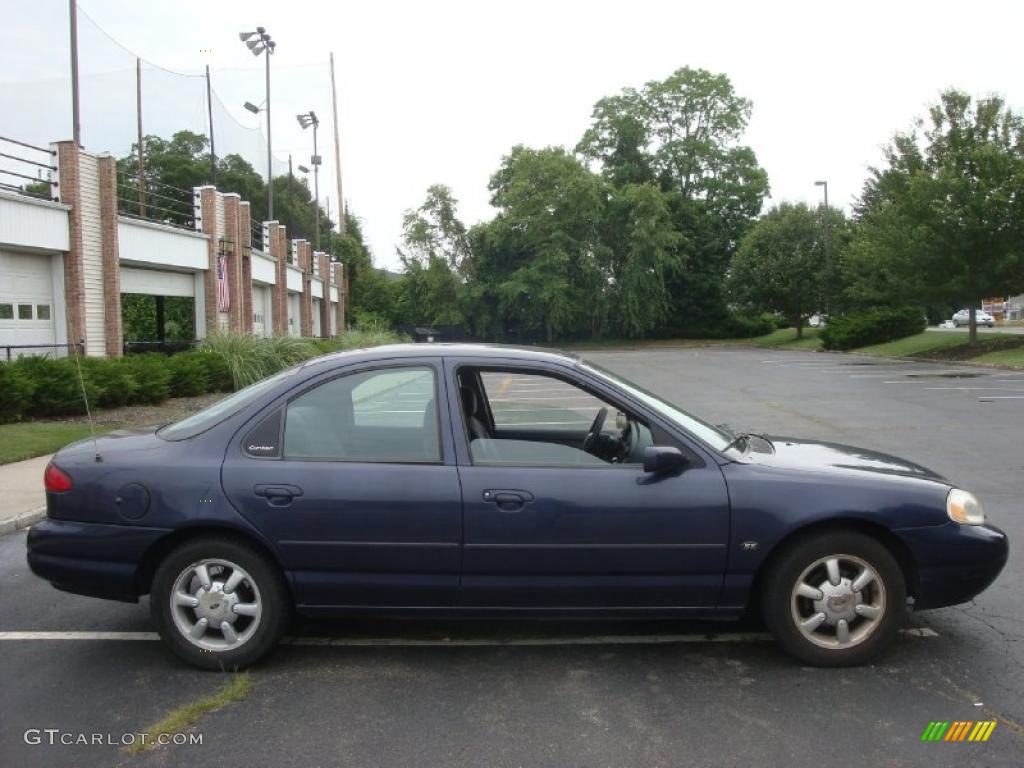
(963, 317)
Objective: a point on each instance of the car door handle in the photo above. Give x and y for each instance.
(279, 494)
(508, 501)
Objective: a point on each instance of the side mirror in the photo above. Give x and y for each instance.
(663, 460)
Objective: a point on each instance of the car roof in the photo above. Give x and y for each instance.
(483, 352)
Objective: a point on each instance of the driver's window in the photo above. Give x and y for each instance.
(540, 420)
(531, 401)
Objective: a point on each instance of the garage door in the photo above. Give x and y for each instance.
(261, 310)
(26, 300)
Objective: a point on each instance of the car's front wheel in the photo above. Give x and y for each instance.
(834, 599)
(219, 603)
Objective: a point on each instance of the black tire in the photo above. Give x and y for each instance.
(784, 573)
(272, 596)
(956, 323)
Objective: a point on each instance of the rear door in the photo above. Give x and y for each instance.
(353, 479)
(547, 525)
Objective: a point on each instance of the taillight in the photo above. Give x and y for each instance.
(56, 479)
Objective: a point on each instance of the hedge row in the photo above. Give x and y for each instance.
(731, 326)
(872, 327)
(40, 387)
(35, 387)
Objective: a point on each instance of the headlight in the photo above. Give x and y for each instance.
(964, 508)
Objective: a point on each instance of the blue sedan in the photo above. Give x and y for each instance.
(481, 480)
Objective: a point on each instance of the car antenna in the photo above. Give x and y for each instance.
(85, 397)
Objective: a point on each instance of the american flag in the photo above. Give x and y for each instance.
(223, 292)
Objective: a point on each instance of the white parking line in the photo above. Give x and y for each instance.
(729, 637)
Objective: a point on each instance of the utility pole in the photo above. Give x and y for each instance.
(316, 189)
(76, 117)
(209, 114)
(142, 148)
(828, 248)
(337, 152)
(270, 156)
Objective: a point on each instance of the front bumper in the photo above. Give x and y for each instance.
(90, 558)
(954, 562)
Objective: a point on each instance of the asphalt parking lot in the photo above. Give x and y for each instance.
(373, 693)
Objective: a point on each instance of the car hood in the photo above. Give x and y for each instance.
(794, 453)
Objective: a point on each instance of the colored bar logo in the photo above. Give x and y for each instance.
(958, 730)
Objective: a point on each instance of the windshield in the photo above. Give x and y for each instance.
(206, 418)
(713, 437)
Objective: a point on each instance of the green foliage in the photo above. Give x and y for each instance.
(872, 327)
(114, 382)
(138, 317)
(944, 221)
(782, 264)
(56, 388)
(16, 389)
(189, 375)
(151, 375)
(574, 253)
(729, 326)
(250, 358)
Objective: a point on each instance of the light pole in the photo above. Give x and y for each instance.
(259, 42)
(307, 119)
(828, 249)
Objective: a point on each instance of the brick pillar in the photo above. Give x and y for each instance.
(111, 260)
(323, 268)
(234, 262)
(339, 309)
(208, 209)
(275, 247)
(306, 299)
(244, 248)
(74, 267)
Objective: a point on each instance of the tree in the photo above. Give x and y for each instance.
(944, 221)
(434, 231)
(542, 253)
(683, 133)
(781, 265)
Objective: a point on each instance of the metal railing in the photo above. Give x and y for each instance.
(158, 202)
(13, 351)
(32, 186)
(166, 347)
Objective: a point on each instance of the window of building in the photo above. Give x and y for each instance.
(24, 311)
(6, 311)
(42, 311)
(386, 415)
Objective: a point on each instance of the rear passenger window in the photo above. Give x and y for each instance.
(387, 415)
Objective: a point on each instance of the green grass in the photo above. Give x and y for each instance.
(37, 438)
(237, 688)
(1010, 357)
(784, 338)
(933, 342)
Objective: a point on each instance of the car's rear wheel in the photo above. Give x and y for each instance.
(219, 603)
(834, 599)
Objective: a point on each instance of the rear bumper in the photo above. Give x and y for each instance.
(89, 558)
(954, 562)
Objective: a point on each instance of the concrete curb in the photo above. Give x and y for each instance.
(24, 520)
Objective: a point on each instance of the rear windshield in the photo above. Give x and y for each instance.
(216, 413)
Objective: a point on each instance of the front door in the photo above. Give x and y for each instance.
(358, 498)
(548, 523)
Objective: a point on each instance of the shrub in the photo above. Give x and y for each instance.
(15, 392)
(151, 375)
(250, 358)
(872, 327)
(730, 326)
(57, 387)
(113, 380)
(189, 375)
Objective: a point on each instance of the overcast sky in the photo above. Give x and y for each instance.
(437, 92)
